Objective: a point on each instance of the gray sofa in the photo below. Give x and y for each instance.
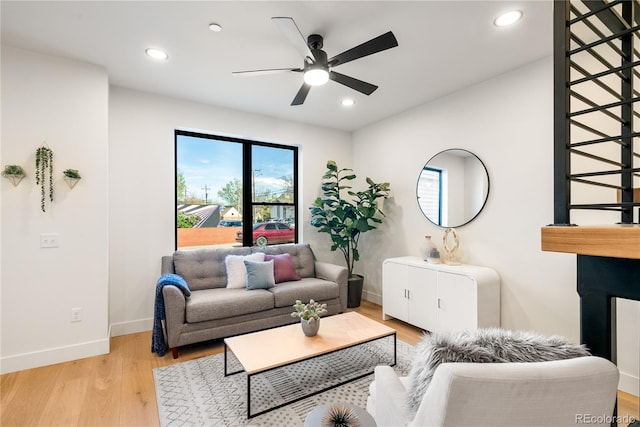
(215, 311)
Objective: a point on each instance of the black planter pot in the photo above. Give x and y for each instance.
(355, 290)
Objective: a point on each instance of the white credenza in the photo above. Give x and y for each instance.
(440, 297)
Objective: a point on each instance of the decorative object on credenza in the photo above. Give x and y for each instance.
(428, 251)
(450, 243)
(346, 214)
(71, 177)
(44, 166)
(309, 315)
(426, 245)
(433, 257)
(340, 415)
(14, 173)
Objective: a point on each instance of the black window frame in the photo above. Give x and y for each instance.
(247, 197)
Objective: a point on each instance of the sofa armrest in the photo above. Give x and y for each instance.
(390, 399)
(175, 309)
(337, 274)
(167, 265)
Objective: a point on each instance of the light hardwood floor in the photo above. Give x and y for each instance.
(117, 389)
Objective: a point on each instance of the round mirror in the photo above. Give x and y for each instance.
(452, 188)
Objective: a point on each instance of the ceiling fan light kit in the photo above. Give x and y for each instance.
(317, 69)
(316, 76)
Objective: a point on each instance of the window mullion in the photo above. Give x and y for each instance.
(247, 195)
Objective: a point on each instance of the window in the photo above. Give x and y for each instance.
(430, 194)
(226, 188)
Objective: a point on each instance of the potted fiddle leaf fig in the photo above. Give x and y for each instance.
(345, 215)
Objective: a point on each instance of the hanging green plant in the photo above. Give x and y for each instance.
(44, 164)
(15, 170)
(71, 177)
(14, 173)
(72, 173)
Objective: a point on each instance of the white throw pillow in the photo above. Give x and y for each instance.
(236, 271)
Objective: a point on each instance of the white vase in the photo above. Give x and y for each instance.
(426, 247)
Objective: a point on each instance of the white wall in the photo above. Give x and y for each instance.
(64, 103)
(142, 195)
(628, 339)
(507, 122)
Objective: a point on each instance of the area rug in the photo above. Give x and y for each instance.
(196, 393)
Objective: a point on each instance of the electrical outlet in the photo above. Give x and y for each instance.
(76, 314)
(49, 240)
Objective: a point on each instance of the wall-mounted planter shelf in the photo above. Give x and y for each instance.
(71, 182)
(14, 179)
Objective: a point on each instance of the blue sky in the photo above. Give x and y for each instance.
(215, 163)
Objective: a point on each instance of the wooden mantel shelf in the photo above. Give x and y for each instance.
(617, 241)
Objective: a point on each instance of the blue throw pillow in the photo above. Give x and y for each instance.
(259, 275)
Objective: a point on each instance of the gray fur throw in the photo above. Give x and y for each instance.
(490, 345)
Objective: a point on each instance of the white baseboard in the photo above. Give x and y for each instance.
(629, 384)
(373, 297)
(131, 327)
(52, 356)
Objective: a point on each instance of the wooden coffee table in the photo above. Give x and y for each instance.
(262, 351)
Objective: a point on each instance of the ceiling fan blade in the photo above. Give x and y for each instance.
(355, 84)
(301, 95)
(290, 29)
(267, 71)
(375, 45)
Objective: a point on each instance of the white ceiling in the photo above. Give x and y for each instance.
(444, 46)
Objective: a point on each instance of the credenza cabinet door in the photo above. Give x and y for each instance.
(422, 291)
(394, 301)
(457, 302)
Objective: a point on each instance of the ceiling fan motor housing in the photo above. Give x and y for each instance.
(315, 41)
(319, 56)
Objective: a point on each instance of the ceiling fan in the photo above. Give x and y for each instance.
(317, 68)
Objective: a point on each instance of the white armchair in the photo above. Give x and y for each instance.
(559, 393)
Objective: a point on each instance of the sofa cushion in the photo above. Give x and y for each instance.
(259, 274)
(204, 268)
(283, 269)
(236, 271)
(286, 293)
(220, 303)
(301, 256)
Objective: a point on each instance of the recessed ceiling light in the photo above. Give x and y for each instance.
(156, 53)
(347, 102)
(508, 18)
(215, 27)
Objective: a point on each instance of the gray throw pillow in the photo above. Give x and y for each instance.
(259, 274)
(490, 345)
